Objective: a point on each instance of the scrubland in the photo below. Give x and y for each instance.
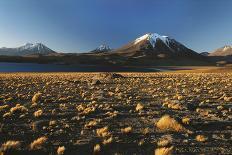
(107, 113)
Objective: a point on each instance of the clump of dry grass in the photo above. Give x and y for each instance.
(107, 141)
(164, 151)
(60, 150)
(103, 132)
(97, 148)
(38, 143)
(185, 120)
(173, 105)
(8, 114)
(38, 113)
(201, 138)
(165, 141)
(3, 107)
(167, 123)
(52, 123)
(92, 123)
(145, 131)
(36, 97)
(127, 130)
(11, 144)
(139, 107)
(18, 109)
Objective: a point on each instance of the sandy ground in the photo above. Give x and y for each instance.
(126, 113)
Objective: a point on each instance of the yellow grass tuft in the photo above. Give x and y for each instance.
(139, 107)
(38, 143)
(103, 132)
(3, 107)
(38, 113)
(164, 151)
(97, 148)
(185, 120)
(126, 130)
(201, 138)
(167, 123)
(92, 123)
(18, 108)
(10, 145)
(60, 150)
(36, 97)
(107, 141)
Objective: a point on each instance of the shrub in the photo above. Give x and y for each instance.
(167, 123)
(60, 150)
(36, 97)
(201, 138)
(126, 130)
(38, 143)
(38, 113)
(164, 151)
(10, 145)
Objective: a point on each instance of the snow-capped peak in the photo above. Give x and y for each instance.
(152, 38)
(103, 47)
(226, 48)
(30, 46)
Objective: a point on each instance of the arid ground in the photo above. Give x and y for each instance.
(125, 113)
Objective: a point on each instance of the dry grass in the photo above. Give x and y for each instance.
(10, 145)
(92, 123)
(139, 107)
(127, 130)
(38, 113)
(38, 143)
(201, 138)
(60, 150)
(3, 107)
(103, 132)
(36, 97)
(164, 151)
(108, 140)
(165, 141)
(18, 109)
(186, 120)
(167, 123)
(97, 148)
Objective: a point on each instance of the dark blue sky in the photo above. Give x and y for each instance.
(82, 25)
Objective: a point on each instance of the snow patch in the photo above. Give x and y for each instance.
(152, 38)
(103, 47)
(226, 48)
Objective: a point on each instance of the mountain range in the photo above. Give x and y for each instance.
(27, 49)
(149, 49)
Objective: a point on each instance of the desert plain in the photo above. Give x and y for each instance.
(159, 113)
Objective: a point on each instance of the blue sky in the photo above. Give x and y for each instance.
(82, 25)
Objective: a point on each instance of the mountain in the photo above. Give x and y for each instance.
(224, 51)
(27, 49)
(155, 44)
(205, 53)
(102, 48)
(155, 49)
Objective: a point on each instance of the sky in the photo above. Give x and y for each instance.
(82, 25)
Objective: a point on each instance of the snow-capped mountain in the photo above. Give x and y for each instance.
(27, 49)
(224, 51)
(156, 45)
(102, 48)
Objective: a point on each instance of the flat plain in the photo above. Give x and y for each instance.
(159, 113)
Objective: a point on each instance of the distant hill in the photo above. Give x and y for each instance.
(102, 48)
(27, 49)
(224, 51)
(205, 53)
